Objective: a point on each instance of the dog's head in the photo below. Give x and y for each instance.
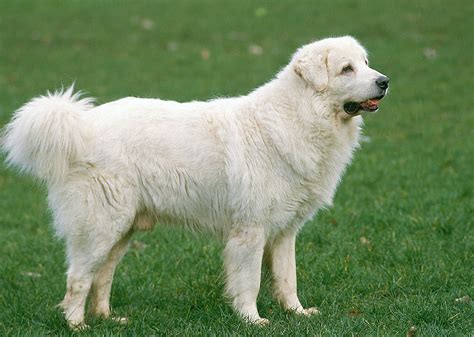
(339, 68)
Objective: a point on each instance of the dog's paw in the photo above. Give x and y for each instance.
(119, 320)
(308, 312)
(78, 326)
(256, 320)
(260, 322)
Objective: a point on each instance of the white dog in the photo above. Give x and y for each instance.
(251, 169)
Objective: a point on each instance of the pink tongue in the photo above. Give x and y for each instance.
(371, 103)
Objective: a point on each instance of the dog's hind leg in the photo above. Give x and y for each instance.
(86, 255)
(102, 282)
(94, 212)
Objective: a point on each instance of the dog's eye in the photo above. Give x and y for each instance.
(347, 69)
(366, 62)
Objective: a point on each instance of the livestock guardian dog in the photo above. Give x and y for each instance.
(250, 169)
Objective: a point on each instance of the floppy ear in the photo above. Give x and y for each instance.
(313, 69)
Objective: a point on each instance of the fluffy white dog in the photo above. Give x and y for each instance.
(250, 169)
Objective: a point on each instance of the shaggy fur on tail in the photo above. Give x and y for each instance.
(47, 134)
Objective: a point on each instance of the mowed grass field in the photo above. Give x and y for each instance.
(396, 249)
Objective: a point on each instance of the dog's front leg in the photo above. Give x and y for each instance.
(283, 265)
(243, 262)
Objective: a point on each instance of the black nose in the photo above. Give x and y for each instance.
(382, 82)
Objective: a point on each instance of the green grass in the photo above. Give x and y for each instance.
(396, 249)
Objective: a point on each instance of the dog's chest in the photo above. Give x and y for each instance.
(311, 161)
(324, 167)
(335, 153)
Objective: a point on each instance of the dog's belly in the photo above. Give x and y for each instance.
(176, 198)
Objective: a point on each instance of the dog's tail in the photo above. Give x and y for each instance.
(47, 134)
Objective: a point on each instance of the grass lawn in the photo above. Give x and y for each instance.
(395, 251)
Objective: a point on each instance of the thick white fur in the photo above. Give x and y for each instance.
(250, 169)
(41, 139)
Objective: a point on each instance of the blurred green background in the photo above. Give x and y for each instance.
(395, 251)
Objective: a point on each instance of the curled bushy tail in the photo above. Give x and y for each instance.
(46, 134)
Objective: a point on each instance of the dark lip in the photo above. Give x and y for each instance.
(353, 108)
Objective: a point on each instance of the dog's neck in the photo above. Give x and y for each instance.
(313, 119)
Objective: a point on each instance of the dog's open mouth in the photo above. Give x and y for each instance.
(353, 108)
